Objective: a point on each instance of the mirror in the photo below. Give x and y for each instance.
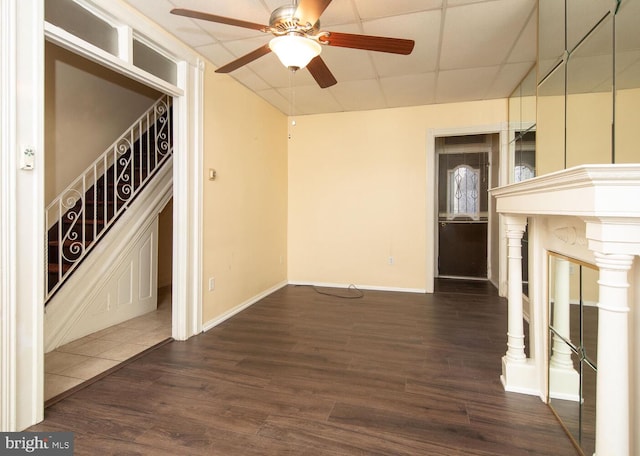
(550, 129)
(589, 97)
(576, 43)
(522, 128)
(522, 147)
(551, 35)
(573, 332)
(582, 16)
(627, 84)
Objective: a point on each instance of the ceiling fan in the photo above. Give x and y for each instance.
(297, 39)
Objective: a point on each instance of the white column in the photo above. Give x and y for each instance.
(515, 330)
(561, 353)
(518, 373)
(564, 380)
(612, 394)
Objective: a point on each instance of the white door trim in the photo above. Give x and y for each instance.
(432, 190)
(7, 217)
(22, 199)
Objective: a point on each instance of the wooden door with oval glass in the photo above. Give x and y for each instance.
(463, 206)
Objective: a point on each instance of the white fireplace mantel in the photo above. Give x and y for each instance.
(604, 203)
(591, 191)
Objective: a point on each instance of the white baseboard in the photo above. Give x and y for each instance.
(240, 307)
(248, 303)
(359, 287)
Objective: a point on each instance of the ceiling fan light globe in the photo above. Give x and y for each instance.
(295, 51)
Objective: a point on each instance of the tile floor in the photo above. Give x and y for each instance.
(83, 359)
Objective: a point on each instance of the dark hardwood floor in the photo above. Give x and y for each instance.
(304, 373)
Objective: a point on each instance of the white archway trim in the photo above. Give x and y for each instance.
(22, 192)
(7, 216)
(187, 205)
(22, 199)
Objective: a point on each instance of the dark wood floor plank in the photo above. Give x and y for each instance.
(302, 373)
(344, 439)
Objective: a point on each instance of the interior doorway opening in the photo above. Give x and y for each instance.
(87, 106)
(464, 176)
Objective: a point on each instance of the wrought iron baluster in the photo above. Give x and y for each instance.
(112, 176)
(83, 205)
(148, 145)
(59, 272)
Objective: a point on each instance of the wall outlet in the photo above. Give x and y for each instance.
(212, 283)
(391, 260)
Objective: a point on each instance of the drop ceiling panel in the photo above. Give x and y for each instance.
(242, 47)
(359, 95)
(250, 79)
(216, 53)
(464, 2)
(348, 64)
(376, 9)
(313, 99)
(248, 10)
(423, 28)
(523, 51)
(482, 36)
(466, 84)
(509, 75)
(224, 32)
(188, 31)
(410, 90)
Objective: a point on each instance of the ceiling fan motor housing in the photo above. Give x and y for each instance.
(284, 22)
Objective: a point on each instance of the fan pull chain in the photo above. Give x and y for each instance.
(292, 102)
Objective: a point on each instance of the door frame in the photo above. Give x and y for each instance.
(23, 32)
(432, 204)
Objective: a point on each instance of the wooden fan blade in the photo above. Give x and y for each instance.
(368, 43)
(310, 10)
(250, 57)
(321, 73)
(218, 19)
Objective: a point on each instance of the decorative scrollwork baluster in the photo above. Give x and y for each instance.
(71, 246)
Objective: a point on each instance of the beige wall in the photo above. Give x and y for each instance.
(245, 208)
(358, 192)
(87, 107)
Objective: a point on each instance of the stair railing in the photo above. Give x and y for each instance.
(83, 212)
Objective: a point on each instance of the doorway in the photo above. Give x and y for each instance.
(124, 316)
(463, 181)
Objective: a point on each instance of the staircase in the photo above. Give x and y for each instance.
(89, 206)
